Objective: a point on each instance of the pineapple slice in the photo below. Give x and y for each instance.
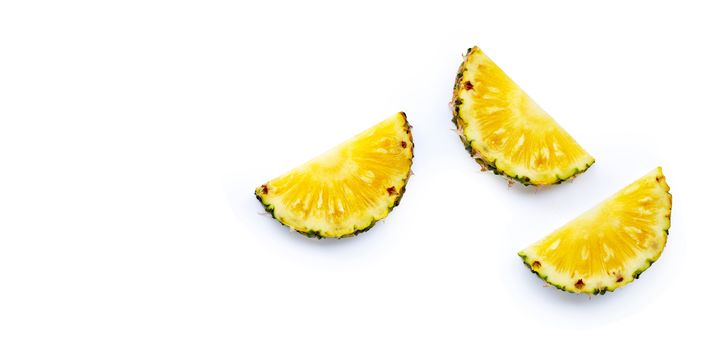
(506, 131)
(346, 190)
(609, 245)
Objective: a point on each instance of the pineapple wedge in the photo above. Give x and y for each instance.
(609, 245)
(506, 131)
(346, 190)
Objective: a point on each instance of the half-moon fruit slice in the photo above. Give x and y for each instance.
(347, 189)
(609, 245)
(506, 131)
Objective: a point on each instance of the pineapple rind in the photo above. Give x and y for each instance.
(476, 154)
(355, 230)
(558, 279)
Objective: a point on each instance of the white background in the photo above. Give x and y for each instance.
(133, 134)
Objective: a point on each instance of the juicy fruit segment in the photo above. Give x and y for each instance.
(609, 245)
(506, 131)
(347, 189)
